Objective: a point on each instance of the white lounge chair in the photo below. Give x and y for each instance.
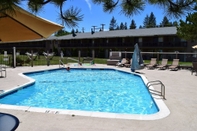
(175, 64)
(163, 64)
(114, 58)
(122, 63)
(152, 64)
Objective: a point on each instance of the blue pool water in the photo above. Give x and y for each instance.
(105, 90)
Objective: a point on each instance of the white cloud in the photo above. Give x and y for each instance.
(89, 5)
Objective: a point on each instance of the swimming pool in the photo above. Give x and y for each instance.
(93, 90)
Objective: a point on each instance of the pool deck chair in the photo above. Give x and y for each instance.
(122, 63)
(3, 69)
(194, 68)
(152, 64)
(114, 58)
(163, 64)
(128, 65)
(175, 65)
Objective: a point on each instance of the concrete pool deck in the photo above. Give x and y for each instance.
(181, 99)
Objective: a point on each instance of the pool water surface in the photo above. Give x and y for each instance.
(98, 90)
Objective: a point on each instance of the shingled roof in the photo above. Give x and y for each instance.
(122, 33)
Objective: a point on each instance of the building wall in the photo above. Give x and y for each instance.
(102, 46)
(147, 44)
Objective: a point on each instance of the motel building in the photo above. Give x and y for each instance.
(159, 39)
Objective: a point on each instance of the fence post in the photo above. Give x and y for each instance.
(157, 57)
(176, 54)
(79, 56)
(48, 60)
(14, 57)
(31, 58)
(93, 54)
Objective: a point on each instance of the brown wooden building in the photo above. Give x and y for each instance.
(149, 39)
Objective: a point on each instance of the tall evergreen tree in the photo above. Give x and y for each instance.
(73, 32)
(117, 28)
(125, 25)
(165, 22)
(140, 27)
(132, 25)
(146, 21)
(113, 24)
(122, 26)
(152, 20)
(61, 33)
(175, 23)
(187, 29)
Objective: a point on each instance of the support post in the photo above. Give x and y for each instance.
(157, 57)
(48, 61)
(93, 54)
(79, 56)
(31, 58)
(14, 57)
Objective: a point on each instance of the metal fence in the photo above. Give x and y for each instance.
(40, 59)
(182, 56)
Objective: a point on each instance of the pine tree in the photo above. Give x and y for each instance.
(187, 29)
(121, 26)
(125, 25)
(165, 22)
(70, 16)
(175, 23)
(140, 27)
(61, 33)
(117, 28)
(152, 20)
(113, 24)
(146, 21)
(132, 25)
(73, 33)
(129, 8)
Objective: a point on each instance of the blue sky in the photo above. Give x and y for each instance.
(94, 15)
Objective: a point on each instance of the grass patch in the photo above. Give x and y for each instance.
(23, 60)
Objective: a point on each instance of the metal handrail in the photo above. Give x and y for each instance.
(157, 82)
(61, 63)
(190, 53)
(70, 58)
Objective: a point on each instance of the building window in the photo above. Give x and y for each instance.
(92, 42)
(140, 40)
(107, 41)
(160, 39)
(123, 40)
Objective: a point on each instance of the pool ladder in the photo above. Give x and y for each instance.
(156, 92)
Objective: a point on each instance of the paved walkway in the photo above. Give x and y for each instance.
(181, 95)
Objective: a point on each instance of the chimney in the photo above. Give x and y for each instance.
(102, 27)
